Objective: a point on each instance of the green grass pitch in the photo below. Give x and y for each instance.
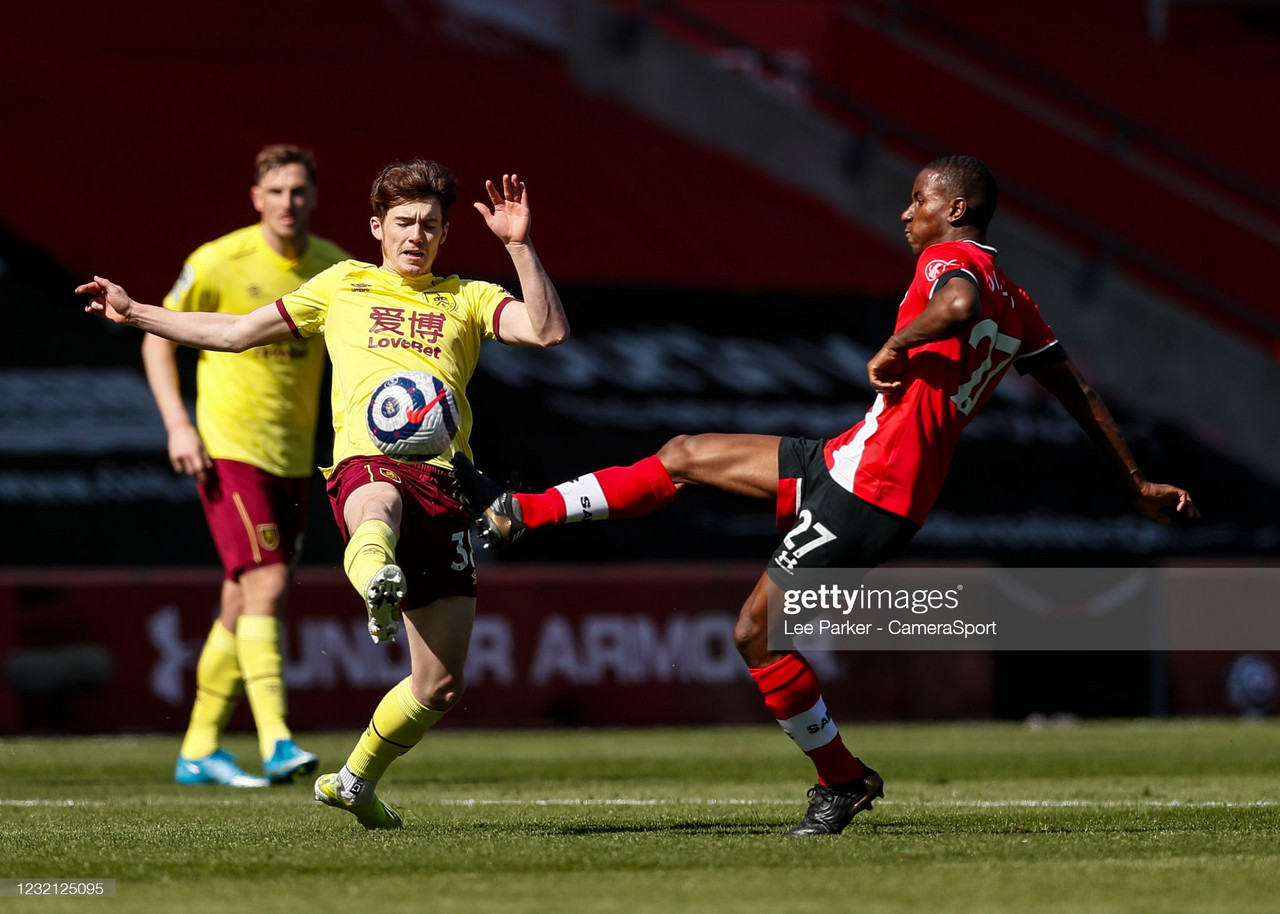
(1154, 816)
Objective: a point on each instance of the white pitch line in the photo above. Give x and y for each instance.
(617, 801)
(933, 804)
(734, 801)
(1087, 804)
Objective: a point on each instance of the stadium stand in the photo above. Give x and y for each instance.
(1069, 133)
(687, 266)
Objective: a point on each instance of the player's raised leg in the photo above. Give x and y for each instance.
(738, 464)
(372, 516)
(438, 637)
(794, 697)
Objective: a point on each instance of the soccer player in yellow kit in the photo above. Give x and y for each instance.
(408, 535)
(251, 451)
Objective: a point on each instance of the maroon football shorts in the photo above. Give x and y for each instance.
(256, 518)
(434, 549)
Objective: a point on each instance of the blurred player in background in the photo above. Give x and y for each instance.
(251, 451)
(408, 535)
(857, 499)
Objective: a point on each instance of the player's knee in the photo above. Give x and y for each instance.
(749, 637)
(679, 456)
(269, 601)
(441, 693)
(264, 590)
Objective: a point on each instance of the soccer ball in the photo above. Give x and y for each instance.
(412, 415)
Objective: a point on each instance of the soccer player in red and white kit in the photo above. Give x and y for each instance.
(855, 500)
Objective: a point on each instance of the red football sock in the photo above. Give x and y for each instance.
(792, 695)
(613, 492)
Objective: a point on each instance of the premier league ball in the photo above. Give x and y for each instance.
(413, 416)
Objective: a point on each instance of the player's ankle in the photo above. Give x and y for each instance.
(540, 509)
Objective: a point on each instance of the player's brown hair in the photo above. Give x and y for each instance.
(272, 157)
(409, 182)
(965, 176)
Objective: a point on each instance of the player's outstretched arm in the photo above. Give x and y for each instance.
(539, 320)
(201, 330)
(1064, 381)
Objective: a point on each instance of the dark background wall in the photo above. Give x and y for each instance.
(706, 292)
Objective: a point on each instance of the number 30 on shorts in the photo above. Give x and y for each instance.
(804, 537)
(462, 543)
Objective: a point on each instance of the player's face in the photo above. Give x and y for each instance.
(285, 198)
(411, 234)
(926, 219)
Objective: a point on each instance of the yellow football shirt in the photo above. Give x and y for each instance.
(377, 323)
(258, 406)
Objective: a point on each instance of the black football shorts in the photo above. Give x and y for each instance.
(830, 527)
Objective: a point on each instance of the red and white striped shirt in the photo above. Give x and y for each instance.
(897, 457)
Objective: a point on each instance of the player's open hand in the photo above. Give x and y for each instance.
(109, 300)
(509, 216)
(1155, 497)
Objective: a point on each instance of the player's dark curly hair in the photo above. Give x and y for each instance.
(965, 176)
(409, 182)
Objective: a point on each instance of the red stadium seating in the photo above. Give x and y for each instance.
(1143, 154)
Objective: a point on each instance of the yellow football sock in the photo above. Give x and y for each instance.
(372, 545)
(258, 641)
(398, 724)
(218, 684)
